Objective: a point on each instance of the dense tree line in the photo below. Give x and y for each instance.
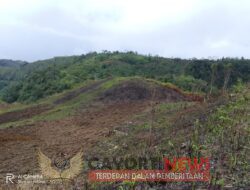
(30, 82)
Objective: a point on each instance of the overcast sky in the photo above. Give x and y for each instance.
(39, 29)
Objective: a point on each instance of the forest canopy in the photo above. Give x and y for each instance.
(28, 82)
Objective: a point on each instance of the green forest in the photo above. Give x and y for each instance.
(28, 82)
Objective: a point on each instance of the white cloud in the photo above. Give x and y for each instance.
(219, 44)
(32, 29)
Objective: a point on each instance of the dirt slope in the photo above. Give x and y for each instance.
(36, 110)
(73, 94)
(23, 114)
(86, 128)
(140, 90)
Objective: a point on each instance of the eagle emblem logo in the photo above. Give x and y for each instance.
(75, 167)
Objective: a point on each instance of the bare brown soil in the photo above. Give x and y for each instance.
(138, 90)
(18, 152)
(23, 114)
(89, 126)
(4, 106)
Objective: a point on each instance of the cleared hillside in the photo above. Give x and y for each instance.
(132, 117)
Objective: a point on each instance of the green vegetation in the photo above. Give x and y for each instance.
(219, 131)
(217, 128)
(24, 82)
(228, 130)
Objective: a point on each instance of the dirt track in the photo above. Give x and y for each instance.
(23, 114)
(73, 94)
(36, 110)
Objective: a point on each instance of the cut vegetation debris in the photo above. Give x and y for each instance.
(110, 110)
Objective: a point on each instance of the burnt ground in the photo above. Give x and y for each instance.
(138, 90)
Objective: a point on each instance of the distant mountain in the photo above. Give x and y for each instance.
(11, 63)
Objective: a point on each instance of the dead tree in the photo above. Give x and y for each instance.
(228, 69)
